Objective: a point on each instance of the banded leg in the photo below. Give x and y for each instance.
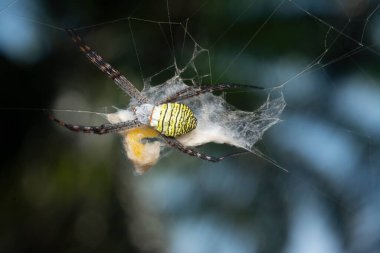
(192, 152)
(102, 129)
(192, 92)
(105, 67)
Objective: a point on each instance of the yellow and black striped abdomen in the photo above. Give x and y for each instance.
(173, 119)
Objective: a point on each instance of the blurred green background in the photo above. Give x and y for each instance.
(67, 192)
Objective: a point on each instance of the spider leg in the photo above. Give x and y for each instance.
(192, 92)
(104, 66)
(192, 152)
(102, 129)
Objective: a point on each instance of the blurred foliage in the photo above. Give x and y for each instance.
(62, 192)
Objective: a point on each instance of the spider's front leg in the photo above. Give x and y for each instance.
(105, 67)
(192, 152)
(102, 129)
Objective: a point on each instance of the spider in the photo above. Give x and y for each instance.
(170, 118)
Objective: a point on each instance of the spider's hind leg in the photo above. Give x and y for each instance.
(102, 129)
(193, 92)
(192, 152)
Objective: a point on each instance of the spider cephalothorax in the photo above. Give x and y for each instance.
(169, 117)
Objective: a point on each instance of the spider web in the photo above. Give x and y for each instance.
(218, 121)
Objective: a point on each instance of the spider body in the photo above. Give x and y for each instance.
(168, 118)
(173, 119)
